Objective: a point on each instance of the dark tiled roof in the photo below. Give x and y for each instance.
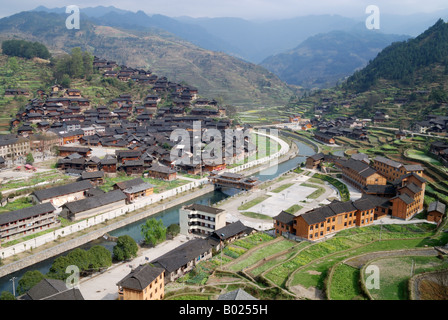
(405, 198)
(437, 206)
(389, 162)
(95, 201)
(183, 254)
(129, 183)
(285, 217)
(51, 289)
(26, 213)
(238, 294)
(231, 230)
(85, 175)
(202, 208)
(141, 277)
(62, 190)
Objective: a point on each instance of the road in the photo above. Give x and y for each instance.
(103, 286)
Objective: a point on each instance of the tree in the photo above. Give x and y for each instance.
(173, 230)
(100, 257)
(58, 268)
(25, 49)
(79, 258)
(126, 248)
(29, 280)
(29, 158)
(65, 81)
(153, 231)
(77, 63)
(5, 295)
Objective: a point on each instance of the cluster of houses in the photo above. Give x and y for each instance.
(432, 124)
(440, 150)
(63, 117)
(388, 188)
(350, 127)
(137, 135)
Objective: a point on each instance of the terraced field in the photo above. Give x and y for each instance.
(280, 268)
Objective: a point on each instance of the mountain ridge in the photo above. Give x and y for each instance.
(215, 74)
(327, 58)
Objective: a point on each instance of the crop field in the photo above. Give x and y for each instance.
(395, 273)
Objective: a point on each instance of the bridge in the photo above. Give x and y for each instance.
(233, 180)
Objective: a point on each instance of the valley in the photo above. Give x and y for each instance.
(213, 159)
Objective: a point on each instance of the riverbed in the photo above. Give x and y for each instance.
(168, 216)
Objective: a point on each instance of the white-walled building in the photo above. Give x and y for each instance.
(200, 219)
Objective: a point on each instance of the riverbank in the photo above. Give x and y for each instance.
(28, 258)
(93, 231)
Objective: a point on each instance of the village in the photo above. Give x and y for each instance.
(105, 162)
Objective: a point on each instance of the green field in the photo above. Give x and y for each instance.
(395, 273)
(420, 155)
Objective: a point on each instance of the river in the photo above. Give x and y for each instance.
(168, 216)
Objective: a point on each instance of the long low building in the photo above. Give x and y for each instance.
(184, 258)
(91, 206)
(62, 194)
(23, 222)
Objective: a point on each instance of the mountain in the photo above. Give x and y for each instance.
(407, 81)
(140, 21)
(215, 74)
(256, 40)
(401, 61)
(323, 60)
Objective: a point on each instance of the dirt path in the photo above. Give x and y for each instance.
(361, 260)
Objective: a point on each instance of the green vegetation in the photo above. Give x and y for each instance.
(126, 248)
(25, 49)
(153, 231)
(253, 202)
(90, 260)
(396, 272)
(345, 283)
(426, 49)
(282, 187)
(422, 156)
(76, 65)
(18, 204)
(342, 188)
(256, 215)
(293, 209)
(263, 252)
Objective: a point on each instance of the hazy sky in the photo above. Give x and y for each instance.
(249, 9)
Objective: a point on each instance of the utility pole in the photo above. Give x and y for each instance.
(13, 279)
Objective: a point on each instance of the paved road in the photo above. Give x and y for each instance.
(103, 286)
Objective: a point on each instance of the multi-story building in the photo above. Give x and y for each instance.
(393, 170)
(143, 283)
(326, 220)
(13, 148)
(410, 196)
(200, 219)
(23, 222)
(360, 174)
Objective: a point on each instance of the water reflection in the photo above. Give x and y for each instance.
(168, 216)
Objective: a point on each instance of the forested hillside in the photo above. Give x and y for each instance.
(401, 60)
